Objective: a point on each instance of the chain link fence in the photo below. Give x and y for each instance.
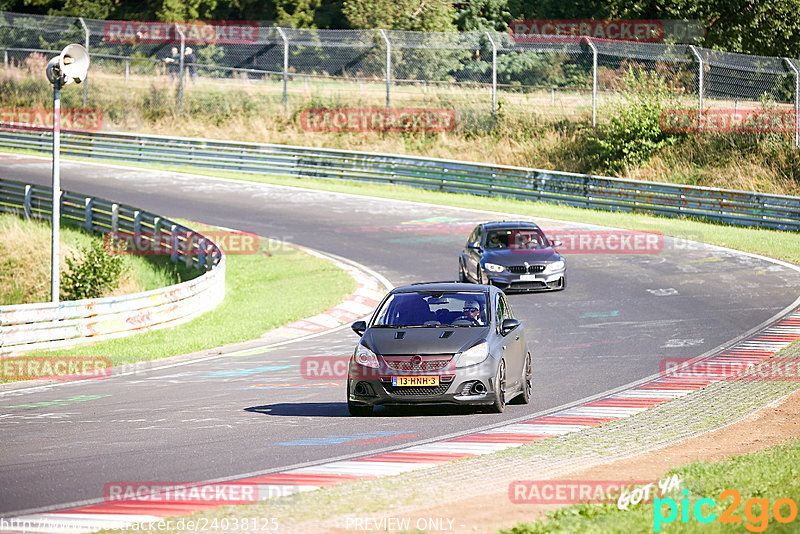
(477, 74)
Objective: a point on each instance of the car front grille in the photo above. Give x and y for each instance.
(521, 269)
(421, 391)
(528, 285)
(425, 365)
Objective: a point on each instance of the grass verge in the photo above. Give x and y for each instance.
(25, 262)
(266, 290)
(760, 480)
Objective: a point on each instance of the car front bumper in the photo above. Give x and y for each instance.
(458, 389)
(529, 282)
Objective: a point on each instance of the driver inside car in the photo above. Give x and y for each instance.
(472, 313)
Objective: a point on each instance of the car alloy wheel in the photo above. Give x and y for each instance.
(462, 275)
(525, 395)
(500, 389)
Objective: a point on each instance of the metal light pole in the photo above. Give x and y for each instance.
(69, 67)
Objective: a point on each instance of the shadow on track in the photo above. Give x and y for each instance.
(339, 409)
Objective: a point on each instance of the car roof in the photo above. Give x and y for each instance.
(508, 225)
(443, 286)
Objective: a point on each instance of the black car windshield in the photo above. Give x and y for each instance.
(515, 239)
(432, 309)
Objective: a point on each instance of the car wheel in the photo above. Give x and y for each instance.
(359, 410)
(500, 389)
(524, 396)
(462, 275)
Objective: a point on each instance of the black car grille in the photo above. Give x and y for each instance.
(426, 365)
(421, 391)
(521, 269)
(528, 285)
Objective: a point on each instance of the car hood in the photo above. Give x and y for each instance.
(518, 257)
(433, 340)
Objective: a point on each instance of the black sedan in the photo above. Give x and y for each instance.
(513, 256)
(435, 343)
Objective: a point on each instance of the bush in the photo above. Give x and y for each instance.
(633, 134)
(91, 273)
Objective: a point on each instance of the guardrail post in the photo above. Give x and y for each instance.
(388, 64)
(187, 248)
(114, 217)
(594, 81)
(796, 101)
(180, 67)
(27, 208)
(88, 205)
(494, 75)
(700, 74)
(174, 246)
(201, 252)
(285, 63)
(85, 45)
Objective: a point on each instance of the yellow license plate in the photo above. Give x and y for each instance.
(408, 381)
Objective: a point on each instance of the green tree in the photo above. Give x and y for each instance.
(413, 15)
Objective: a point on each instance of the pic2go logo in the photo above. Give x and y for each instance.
(783, 511)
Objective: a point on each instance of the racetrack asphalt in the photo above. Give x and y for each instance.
(620, 315)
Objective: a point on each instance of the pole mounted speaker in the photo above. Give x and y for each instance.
(70, 66)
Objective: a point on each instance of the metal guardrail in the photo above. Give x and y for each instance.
(580, 190)
(26, 327)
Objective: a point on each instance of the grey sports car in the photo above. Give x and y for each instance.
(513, 256)
(443, 342)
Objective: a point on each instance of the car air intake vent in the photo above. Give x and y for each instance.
(517, 269)
(535, 268)
(399, 335)
(446, 334)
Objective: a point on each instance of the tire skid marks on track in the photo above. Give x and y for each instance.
(758, 347)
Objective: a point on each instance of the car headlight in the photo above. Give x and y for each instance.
(366, 357)
(494, 267)
(473, 356)
(555, 266)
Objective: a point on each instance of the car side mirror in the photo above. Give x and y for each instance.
(556, 243)
(507, 326)
(475, 246)
(359, 327)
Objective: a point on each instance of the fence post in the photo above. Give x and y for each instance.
(700, 74)
(796, 101)
(285, 63)
(388, 65)
(127, 70)
(180, 67)
(88, 206)
(86, 45)
(594, 81)
(494, 74)
(27, 202)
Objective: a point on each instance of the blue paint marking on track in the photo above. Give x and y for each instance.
(250, 371)
(333, 440)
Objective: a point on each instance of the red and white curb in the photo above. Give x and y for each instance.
(119, 514)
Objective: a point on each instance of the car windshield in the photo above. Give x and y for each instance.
(432, 309)
(515, 239)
